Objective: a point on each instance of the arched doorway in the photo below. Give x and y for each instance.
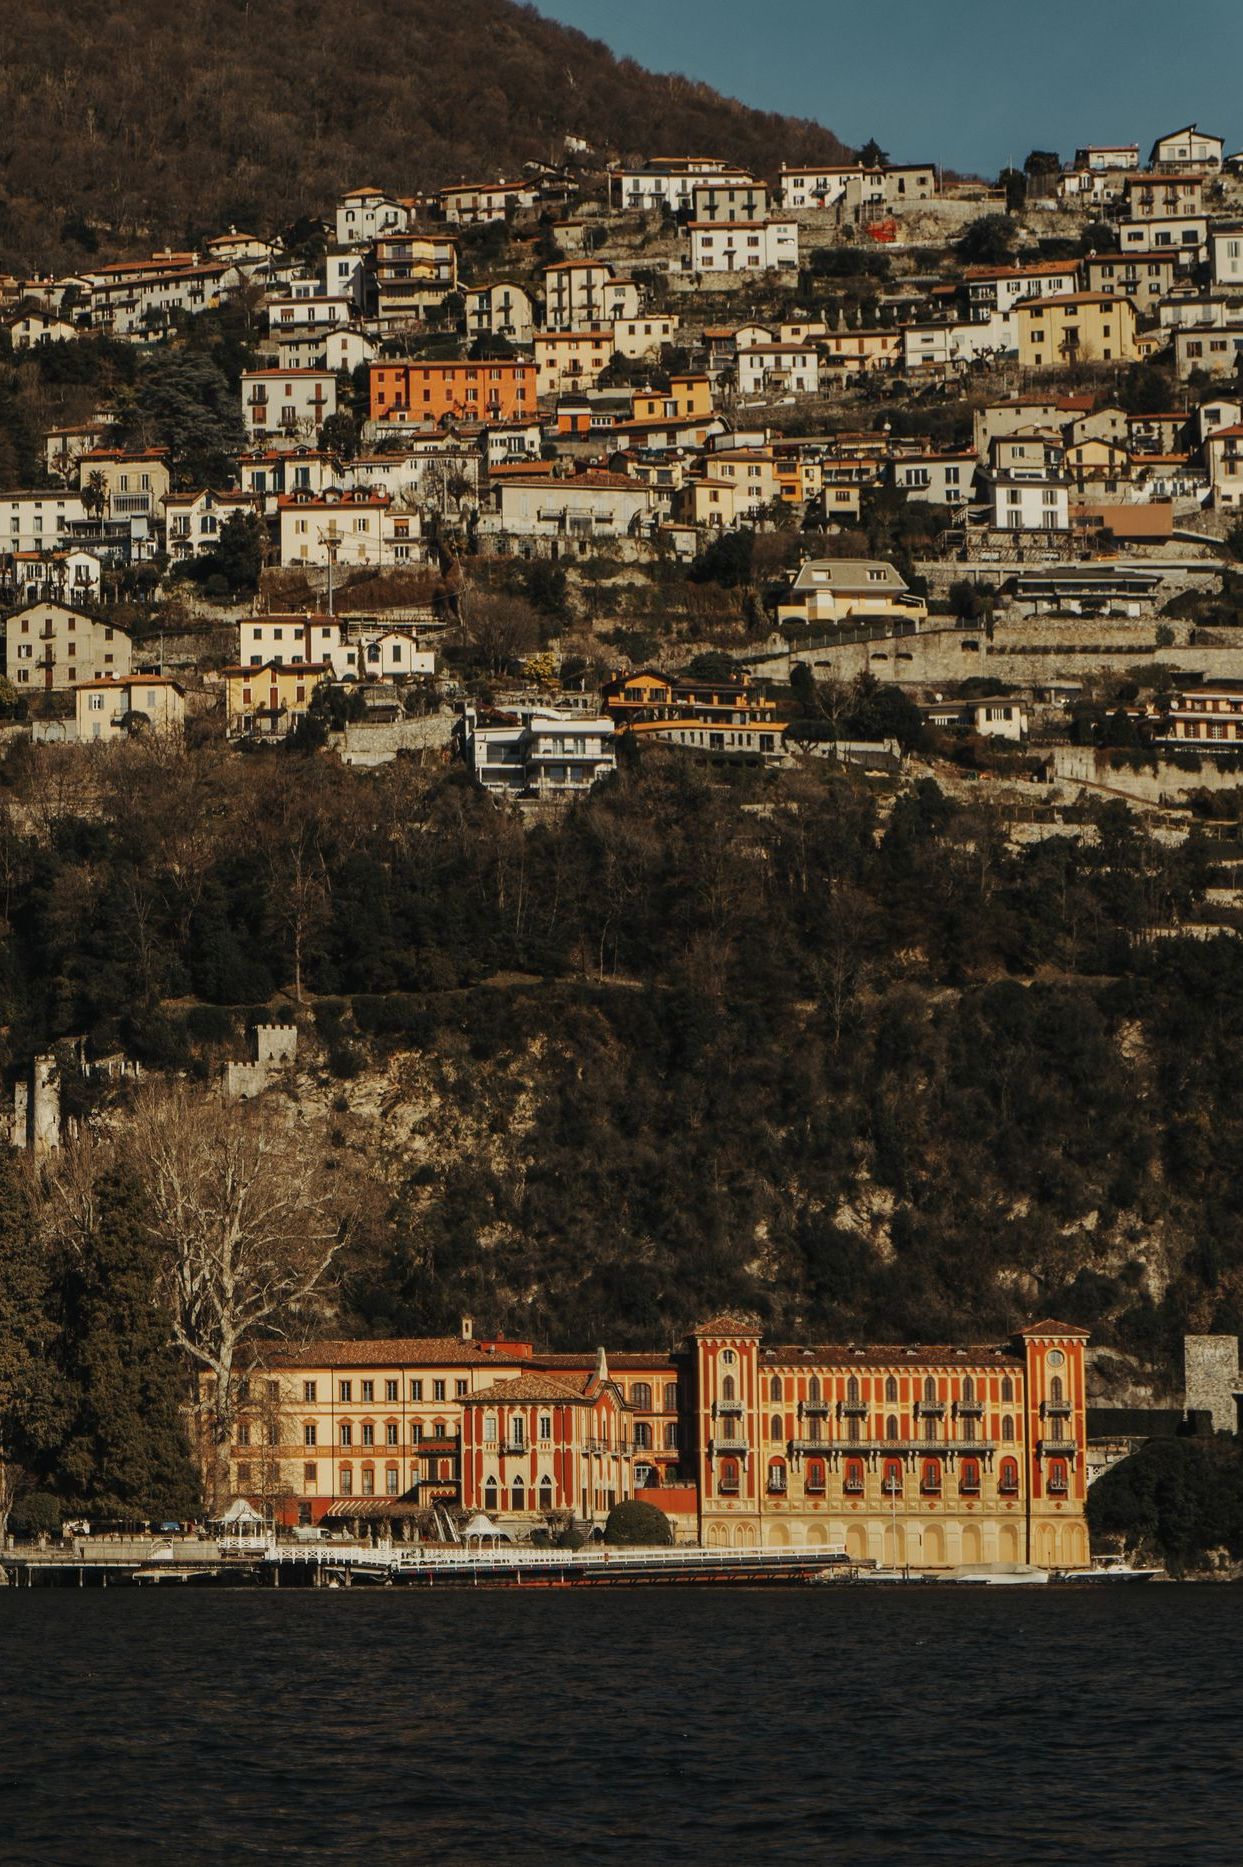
(972, 1546)
(856, 1542)
(1008, 1543)
(934, 1547)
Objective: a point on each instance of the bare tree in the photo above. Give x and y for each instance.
(249, 1221)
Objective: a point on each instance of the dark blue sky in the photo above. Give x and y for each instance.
(968, 83)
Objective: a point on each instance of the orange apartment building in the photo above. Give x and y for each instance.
(433, 392)
(925, 1456)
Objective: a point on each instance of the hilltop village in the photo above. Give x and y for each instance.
(812, 598)
(665, 451)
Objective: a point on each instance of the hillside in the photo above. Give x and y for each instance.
(146, 121)
(872, 1073)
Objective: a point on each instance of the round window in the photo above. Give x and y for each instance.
(728, 1358)
(1055, 1358)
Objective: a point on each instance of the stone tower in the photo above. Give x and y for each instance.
(1211, 1375)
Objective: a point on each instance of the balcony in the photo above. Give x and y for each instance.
(722, 1407)
(518, 1446)
(1056, 1449)
(810, 1445)
(969, 1409)
(1055, 1410)
(929, 1409)
(728, 1445)
(858, 1408)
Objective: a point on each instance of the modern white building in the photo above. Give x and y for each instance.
(536, 753)
(742, 246)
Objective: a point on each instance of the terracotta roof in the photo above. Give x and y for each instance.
(1050, 1327)
(729, 1322)
(628, 1363)
(532, 1386)
(388, 1352)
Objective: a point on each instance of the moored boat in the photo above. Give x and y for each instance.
(1109, 1569)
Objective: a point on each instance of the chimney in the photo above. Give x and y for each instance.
(467, 1329)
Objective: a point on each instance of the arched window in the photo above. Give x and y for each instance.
(641, 1396)
(891, 1483)
(852, 1391)
(776, 1475)
(774, 1388)
(969, 1476)
(489, 1495)
(545, 1493)
(776, 1429)
(930, 1477)
(891, 1388)
(891, 1426)
(518, 1492)
(728, 1358)
(728, 1387)
(1057, 1391)
(815, 1475)
(930, 1390)
(853, 1478)
(489, 1429)
(930, 1427)
(1007, 1389)
(728, 1478)
(642, 1433)
(1008, 1477)
(852, 1428)
(671, 1396)
(1007, 1428)
(1058, 1482)
(814, 1390)
(968, 1390)
(671, 1436)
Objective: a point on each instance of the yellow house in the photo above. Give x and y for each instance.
(686, 399)
(571, 359)
(272, 697)
(1077, 327)
(111, 708)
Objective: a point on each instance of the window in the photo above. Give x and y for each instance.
(346, 1435)
(641, 1396)
(728, 1386)
(1057, 1391)
(1007, 1389)
(489, 1429)
(347, 1481)
(1058, 1482)
(309, 1390)
(930, 1427)
(891, 1388)
(727, 1479)
(368, 1392)
(930, 1391)
(776, 1475)
(459, 1389)
(416, 1390)
(852, 1391)
(891, 1483)
(368, 1434)
(969, 1477)
(671, 1396)
(390, 1480)
(438, 1390)
(390, 1390)
(930, 1478)
(390, 1433)
(642, 1434)
(728, 1358)
(1008, 1477)
(243, 1434)
(368, 1481)
(310, 1433)
(671, 1436)
(891, 1426)
(345, 1390)
(310, 1474)
(852, 1480)
(774, 1388)
(815, 1475)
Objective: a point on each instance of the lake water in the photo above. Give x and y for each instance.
(834, 1725)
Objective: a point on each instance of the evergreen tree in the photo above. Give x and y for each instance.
(127, 1454)
(27, 1387)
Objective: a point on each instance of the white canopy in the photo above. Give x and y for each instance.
(481, 1527)
(239, 1514)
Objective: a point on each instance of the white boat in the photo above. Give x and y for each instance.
(1110, 1569)
(997, 1574)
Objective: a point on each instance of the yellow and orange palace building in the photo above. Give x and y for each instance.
(927, 1456)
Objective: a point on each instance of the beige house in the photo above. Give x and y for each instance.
(50, 646)
(132, 484)
(1080, 327)
(112, 708)
(832, 589)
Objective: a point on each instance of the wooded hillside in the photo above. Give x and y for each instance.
(171, 122)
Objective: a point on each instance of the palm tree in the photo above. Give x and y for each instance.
(95, 494)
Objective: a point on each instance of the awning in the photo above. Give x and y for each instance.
(369, 1509)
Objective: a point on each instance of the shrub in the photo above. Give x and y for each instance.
(37, 1514)
(635, 1525)
(209, 1024)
